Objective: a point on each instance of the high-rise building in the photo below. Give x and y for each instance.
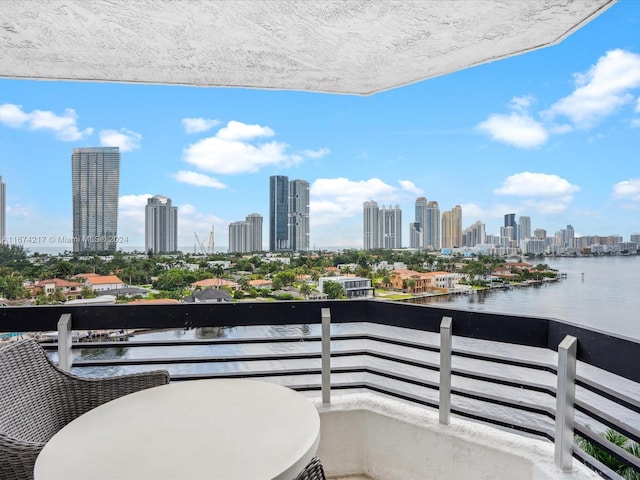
(160, 225)
(254, 240)
(447, 230)
(382, 227)
(524, 228)
(415, 235)
(510, 221)
(299, 215)
(417, 232)
(288, 214)
(452, 228)
(371, 231)
(474, 235)
(238, 232)
(390, 225)
(95, 180)
(246, 237)
(3, 212)
(456, 225)
(432, 226)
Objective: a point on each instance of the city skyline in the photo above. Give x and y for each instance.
(550, 134)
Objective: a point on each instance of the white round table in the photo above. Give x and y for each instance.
(203, 429)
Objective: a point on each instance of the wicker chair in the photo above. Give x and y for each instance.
(37, 399)
(313, 471)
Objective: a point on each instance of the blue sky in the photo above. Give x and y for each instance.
(553, 134)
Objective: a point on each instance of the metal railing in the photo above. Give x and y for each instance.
(402, 366)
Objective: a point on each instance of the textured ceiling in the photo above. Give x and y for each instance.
(350, 46)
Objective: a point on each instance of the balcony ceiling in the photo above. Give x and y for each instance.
(352, 46)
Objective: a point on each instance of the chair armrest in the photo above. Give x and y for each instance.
(85, 394)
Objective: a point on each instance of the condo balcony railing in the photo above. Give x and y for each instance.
(540, 377)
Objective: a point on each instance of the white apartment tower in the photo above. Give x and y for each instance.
(371, 216)
(246, 237)
(524, 228)
(160, 225)
(390, 225)
(254, 241)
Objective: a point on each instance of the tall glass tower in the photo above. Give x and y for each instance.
(299, 215)
(278, 213)
(3, 212)
(95, 180)
(160, 225)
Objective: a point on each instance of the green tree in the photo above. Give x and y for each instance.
(277, 283)
(305, 290)
(333, 289)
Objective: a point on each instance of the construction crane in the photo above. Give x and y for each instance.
(207, 247)
(202, 249)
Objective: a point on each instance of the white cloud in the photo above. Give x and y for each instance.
(126, 139)
(19, 211)
(638, 105)
(12, 115)
(635, 123)
(315, 153)
(198, 125)
(522, 104)
(63, 126)
(517, 129)
(198, 179)
(600, 91)
(528, 184)
(231, 151)
(628, 190)
(410, 187)
(242, 131)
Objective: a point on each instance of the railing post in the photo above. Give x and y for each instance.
(565, 398)
(65, 357)
(445, 370)
(326, 356)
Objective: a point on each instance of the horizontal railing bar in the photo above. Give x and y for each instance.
(208, 359)
(598, 467)
(619, 453)
(517, 405)
(534, 387)
(506, 361)
(610, 394)
(608, 420)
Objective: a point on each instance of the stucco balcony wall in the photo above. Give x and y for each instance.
(368, 436)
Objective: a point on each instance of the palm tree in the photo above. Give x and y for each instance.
(305, 290)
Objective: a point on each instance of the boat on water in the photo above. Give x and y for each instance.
(120, 335)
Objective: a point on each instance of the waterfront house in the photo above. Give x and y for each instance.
(71, 290)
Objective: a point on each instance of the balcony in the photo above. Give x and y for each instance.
(405, 391)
